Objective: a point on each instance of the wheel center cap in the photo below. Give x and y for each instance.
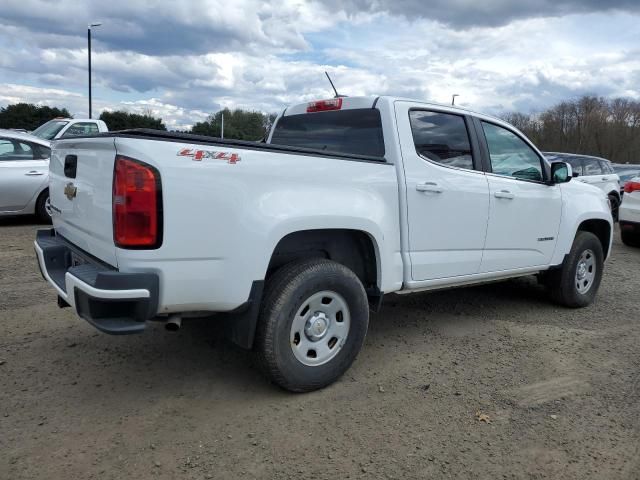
(582, 270)
(316, 327)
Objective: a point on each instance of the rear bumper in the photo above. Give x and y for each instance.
(629, 211)
(630, 226)
(112, 301)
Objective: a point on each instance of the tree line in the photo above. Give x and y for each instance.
(590, 125)
(238, 124)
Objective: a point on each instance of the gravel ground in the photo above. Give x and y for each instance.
(485, 382)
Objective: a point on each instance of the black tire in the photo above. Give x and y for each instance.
(615, 206)
(41, 210)
(285, 294)
(630, 237)
(563, 282)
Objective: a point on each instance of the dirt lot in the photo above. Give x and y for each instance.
(560, 388)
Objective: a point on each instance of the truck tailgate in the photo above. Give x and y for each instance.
(81, 180)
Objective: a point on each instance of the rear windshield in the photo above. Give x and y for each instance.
(356, 131)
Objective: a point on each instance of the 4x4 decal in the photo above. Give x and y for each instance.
(199, 155)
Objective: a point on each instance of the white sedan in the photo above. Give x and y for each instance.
(630, 213)
(24, 174)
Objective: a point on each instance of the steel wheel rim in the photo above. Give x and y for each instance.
(585, 271)
(47, 206)
(320, 328)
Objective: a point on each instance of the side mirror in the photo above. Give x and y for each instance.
(561, 172)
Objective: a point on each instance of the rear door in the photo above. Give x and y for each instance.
(447, 192)
(610, 179)
(81, 181)
(524, 217)
(23, 173)
(592, 172)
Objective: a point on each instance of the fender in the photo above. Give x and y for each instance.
(580, 203)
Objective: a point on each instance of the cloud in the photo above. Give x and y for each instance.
(486, 13)
(167, 27)
(187, 59)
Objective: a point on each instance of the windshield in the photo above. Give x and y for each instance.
(355, 131)
(49, 129)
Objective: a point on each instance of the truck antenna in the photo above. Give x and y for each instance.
(333, 86)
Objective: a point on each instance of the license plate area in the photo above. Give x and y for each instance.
(77, 260)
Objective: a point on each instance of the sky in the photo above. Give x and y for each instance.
(183, 60)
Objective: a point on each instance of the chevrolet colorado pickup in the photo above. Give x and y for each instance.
(297, 238)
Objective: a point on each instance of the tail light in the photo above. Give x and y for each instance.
(324, 105)
(137, 205)
(631, 187)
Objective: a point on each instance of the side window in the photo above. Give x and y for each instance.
(606, 168)
(576, 165)
(510, 155)
(592, 167)
(14, 150)
(442, 138)
(41, 152)
(6, 148)
(81, 129)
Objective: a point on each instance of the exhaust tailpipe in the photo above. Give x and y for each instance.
(174, 323)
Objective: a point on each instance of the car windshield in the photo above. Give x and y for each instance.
(49, 129)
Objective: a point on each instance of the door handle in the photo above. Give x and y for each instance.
(506, 194)
(431, 187)
(605, 179)
(34, 173)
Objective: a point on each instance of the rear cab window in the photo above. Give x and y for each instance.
(441, 138)
(80, 129)
(356, 131)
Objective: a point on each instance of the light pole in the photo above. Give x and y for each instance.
(453, 98)
(89, 50)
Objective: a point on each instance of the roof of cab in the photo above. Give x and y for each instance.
(371, 101)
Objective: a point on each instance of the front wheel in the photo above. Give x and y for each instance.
(312, 324)
(576, 282)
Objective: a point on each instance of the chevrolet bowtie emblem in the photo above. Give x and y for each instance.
(70, 191)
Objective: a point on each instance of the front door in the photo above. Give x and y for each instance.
(524, 216)
(446, 192)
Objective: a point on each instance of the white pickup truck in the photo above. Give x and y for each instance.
(69, 127)
(297, 238)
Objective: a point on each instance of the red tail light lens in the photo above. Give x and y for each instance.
(324, 105)
(631, 187)
(137, 205)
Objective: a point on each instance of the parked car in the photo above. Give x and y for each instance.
(595, 171)
(69, 127)
(630, 213)
(626, 171)
(297, 238)
(24, 173)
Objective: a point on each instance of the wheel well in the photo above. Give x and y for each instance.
(352, 248)
(601, 229)
(43, 193)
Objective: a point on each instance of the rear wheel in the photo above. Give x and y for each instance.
(312, 324)
(576, 283)
(42, 207)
